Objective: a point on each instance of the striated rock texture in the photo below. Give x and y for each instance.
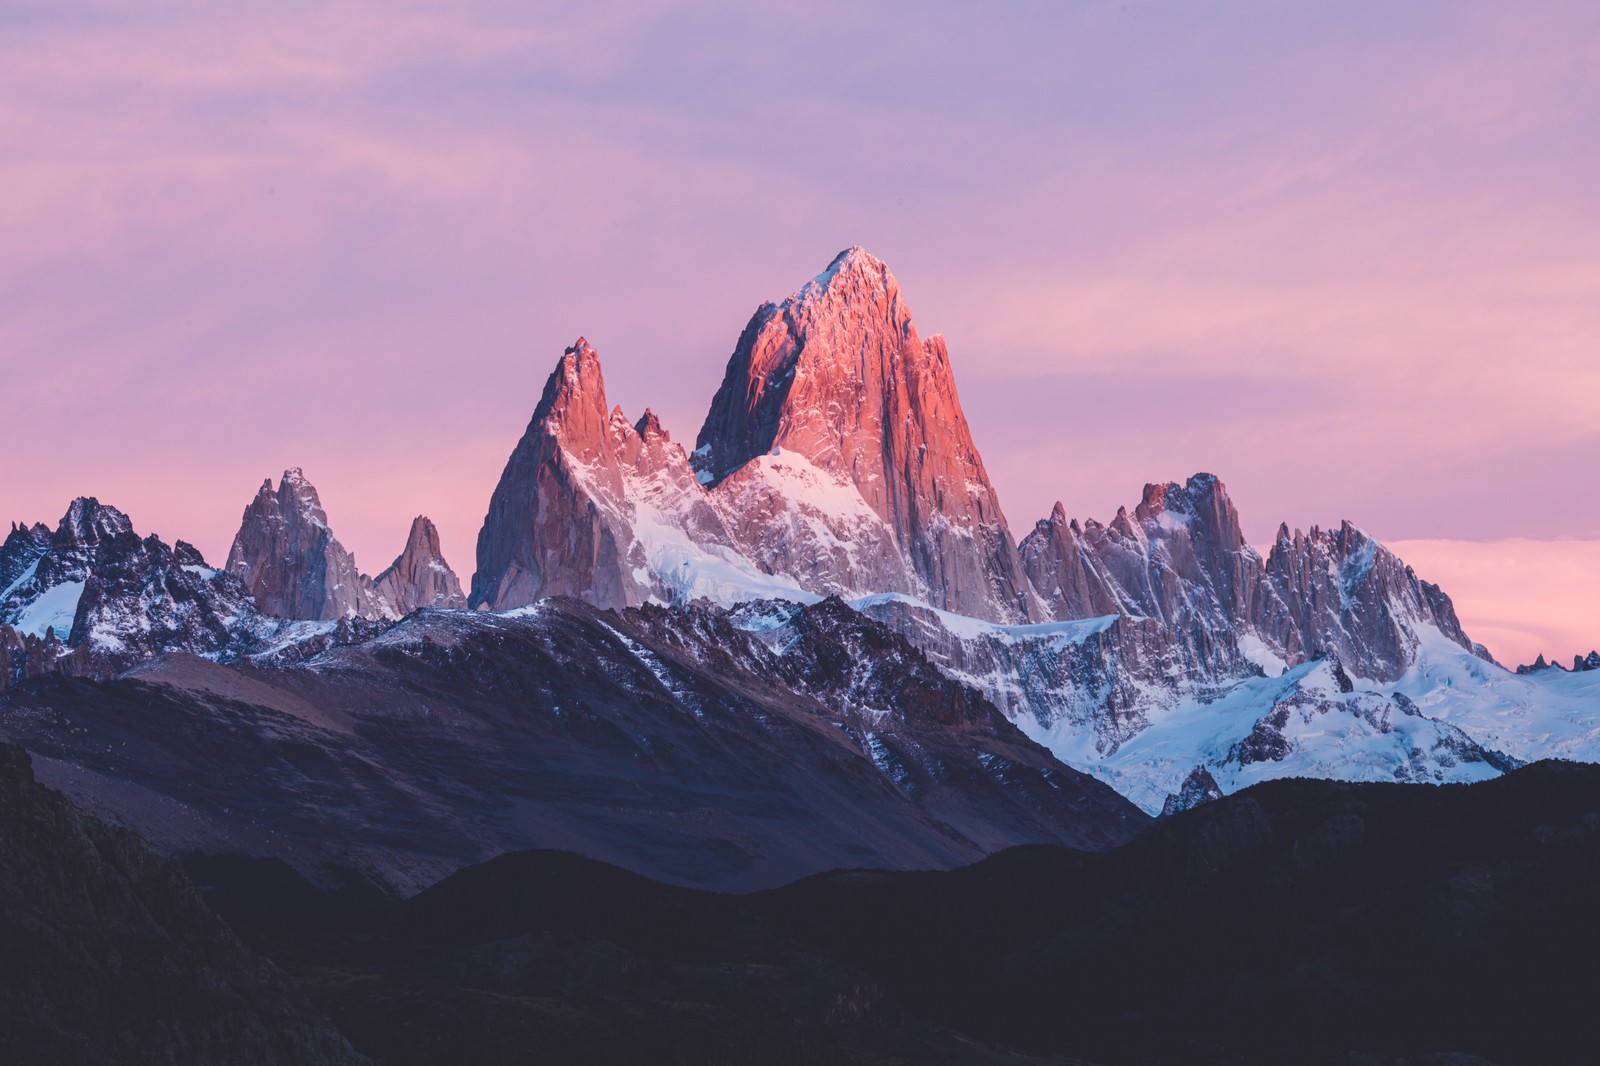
(419, 577)
(102, 600)
(1180, 558)
(110, 955)
(24, 656)
(835, 461)
(558, 522)
(1340, 593)
(291, 562)
(607, 511)
(837, 376)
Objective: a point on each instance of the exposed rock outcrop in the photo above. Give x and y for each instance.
(101, 600)
(678, 742)
(835, 461)
(24, 656)
(112, 599)
(1181, 558)
(1198, 788)
(292, 564)
(419, 577)
(558, 522)
(1345, 595)
(23, 547)
(837, 376)
(604, 510)
(1580, 664)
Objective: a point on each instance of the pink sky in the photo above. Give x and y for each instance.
(1344, 255)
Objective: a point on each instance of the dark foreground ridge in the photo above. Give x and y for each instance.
(672, 742)
(1297, 921)
(108, 954)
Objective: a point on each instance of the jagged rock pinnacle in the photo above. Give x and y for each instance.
(419, 577)
(290, 561)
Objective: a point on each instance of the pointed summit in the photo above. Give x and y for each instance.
(557, 522)
(837, 377)
(290, 561)
(419, 577)
(649, 426)
(573, 407)
(1063, 571)
(856, 269)
(20, 553)
(89, 523)
(1341, 593)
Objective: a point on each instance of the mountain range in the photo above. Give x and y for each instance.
(829, 565)
(780, 748)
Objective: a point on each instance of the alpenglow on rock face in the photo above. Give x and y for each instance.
(558, 522)
(291, 562)
(837, 376)
(835, 461)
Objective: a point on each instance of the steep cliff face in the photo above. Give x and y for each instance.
(607, 511)
(558, 522)
(1342, 594)
(1064, 571)
(1180, 558)
(835, 460)
(419, 577)
(837, 376)
(290, 561)
(23, 547)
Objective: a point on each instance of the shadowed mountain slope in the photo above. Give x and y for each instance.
(675, 743)
(107, 953)
(1297, 921)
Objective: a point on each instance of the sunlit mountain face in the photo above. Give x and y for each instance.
(1170, 642)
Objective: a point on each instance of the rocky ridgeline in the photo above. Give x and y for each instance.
(1580, 664)
(99, 598)
(835, 460)
(730, 750)
(93, 598)
(287, 556)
